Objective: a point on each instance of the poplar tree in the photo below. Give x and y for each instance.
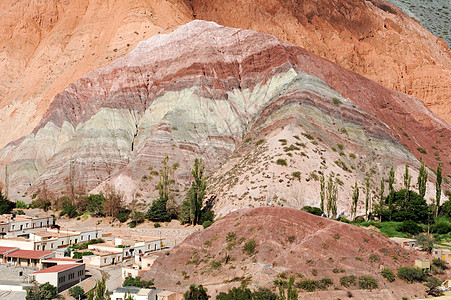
(438, 188)
(355, 200)
(367, 197)
(322, 191)
(331, 198)
(422, 180)
(197, 190)
(381, 200)
(407, 179)
(391, 196)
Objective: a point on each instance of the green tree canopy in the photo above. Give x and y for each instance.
(196, 292)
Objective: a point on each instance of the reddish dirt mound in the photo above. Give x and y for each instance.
(287, 241)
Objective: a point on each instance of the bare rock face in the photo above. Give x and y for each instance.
(202, 91)
(285, 241)
(46, 45)
(373, 38)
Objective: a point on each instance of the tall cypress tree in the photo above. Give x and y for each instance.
(422, 180)
(330, 196)
(355, 200)
(322, 191)
(391, 196)
(381, 198)
(197, 190)
(367, 196)
(407, 179)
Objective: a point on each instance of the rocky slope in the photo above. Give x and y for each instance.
(46, 45)
(204, 99)
(287, 241)
(373, 38)
(434, 15)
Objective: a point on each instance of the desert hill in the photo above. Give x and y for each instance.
(373, 38)
(168, 97)
(286, 241)
(47, 45)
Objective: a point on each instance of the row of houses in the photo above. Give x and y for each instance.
(11, 225)
(48, 239)
(60, 272)
(116, 250)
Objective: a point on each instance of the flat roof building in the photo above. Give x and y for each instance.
(61, 276)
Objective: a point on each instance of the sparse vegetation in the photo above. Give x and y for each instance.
(367, 282)
(422, 150)
(388, 274)
(281, 162)
(249, 247)
(411, 274)
(259, 142)
(348, 281)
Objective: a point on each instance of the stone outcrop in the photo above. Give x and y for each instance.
(201, 91)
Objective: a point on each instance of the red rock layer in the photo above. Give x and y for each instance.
(372, 38)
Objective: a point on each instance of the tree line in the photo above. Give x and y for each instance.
(110, 203)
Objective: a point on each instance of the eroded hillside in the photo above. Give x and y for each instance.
(285, 241)
(167, 97)
(373, 38)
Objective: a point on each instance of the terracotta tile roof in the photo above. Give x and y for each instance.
(29, 254)
(3, 250)
(57, 268)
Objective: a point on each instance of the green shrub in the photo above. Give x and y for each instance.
(342, 165)
(79, 255)
(20, 212)
(297, 175)
(136, 281)
(325, 283)
(281, 162)
(308, 285)
(411, 274)
(231, 236)
(283, 141)
(291, 148)
(21, 204)
(122, 217)
(410, 227)
(259, 142)
(310, 137)
(69, 210)
(422, 150)
(249, 247)
(313, 210)
(343, 219)
(347, 281)
(156, 225)
(132, 224)
(388, 274)
(374, 258)
(206, 224)
(367, 282)
(336, 101)
(442, 226)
